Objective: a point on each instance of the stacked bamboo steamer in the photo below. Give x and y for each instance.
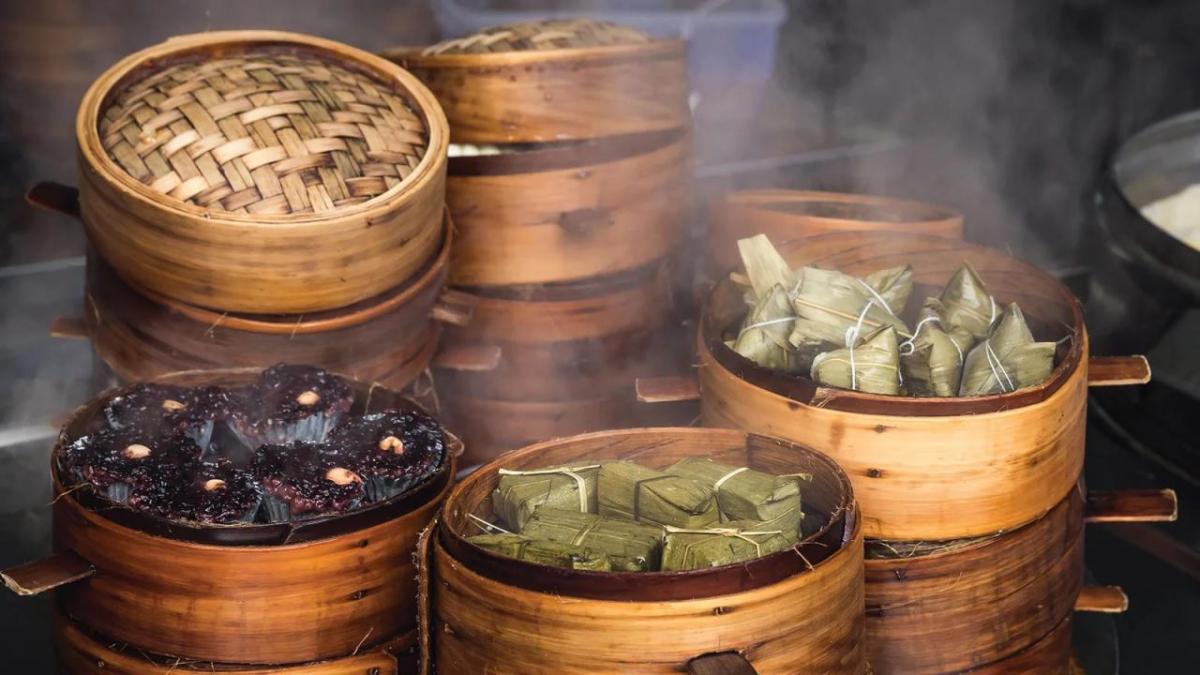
(972, 507)
(567, 188)
(797, 611)
(258, 196)
(136, 593)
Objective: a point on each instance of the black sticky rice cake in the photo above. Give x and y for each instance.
(212, 492)
(290, 403)
(165, 409)
(303, 479)
(392, 451)
(113, 461)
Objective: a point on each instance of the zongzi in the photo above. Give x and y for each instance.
(764, 337)
(519, 493)
(634, 492)
(630, 546)
(553, 553)
(966, 303)
(893, 285)
(1008, 360)
(872, 365)
(734, 542)
(931, 361)
(746, 494)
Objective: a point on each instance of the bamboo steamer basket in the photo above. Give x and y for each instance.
(783, 215)
(567, 212)
(389, 339)
(286, 593)
(974, 602)
(783, 613)
(556, 80)
(970, 466)
(264, 172)
(561, 340)
(82, 653)
(1000, 603)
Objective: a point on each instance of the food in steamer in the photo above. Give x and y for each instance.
(282, 448)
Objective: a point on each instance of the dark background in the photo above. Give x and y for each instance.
(1005, 109)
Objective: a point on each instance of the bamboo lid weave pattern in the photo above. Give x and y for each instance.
(265, 131)
(541, 35)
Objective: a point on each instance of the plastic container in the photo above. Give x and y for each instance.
(731, 42)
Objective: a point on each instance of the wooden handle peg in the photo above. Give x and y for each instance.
(667, 389)
(1104, 599)
(42, 575)
(1118, 371)
(1132, 506)
(55, 197)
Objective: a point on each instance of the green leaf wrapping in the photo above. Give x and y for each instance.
(555, 554)
(894, 285)
(733, 542)
(630, 546)
(764, 266)
(1008, 360)
(764, 335)
(876, 365)
(516, 497)
(839, 300)
(627, 490)
(746, 494)
(932, 362)
(967, 305)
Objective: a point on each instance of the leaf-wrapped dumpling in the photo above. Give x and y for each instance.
(553, 553)
(630, 546)
(519, 493)
(894, 285)
(932, 360)
(967, 305)
(634, 492)
(746, 494)
(734, 542)
(871, 366)
(1008, 360)
(764, 336)
(764, 266)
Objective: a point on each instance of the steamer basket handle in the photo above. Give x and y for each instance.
(1103, 599)
(469, 358)
(667, 389)
(723, 663)
(1131, 506)
(1118, 371)
(69, 327)
(55, 197)
(62, 568)
(454, 308)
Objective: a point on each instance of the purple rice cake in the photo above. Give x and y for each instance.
(392, 451)
(302, 479)
(165, 410)
(114, 461)
(290, 403)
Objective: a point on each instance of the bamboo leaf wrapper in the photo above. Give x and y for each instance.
(519, 494)
(633, 492)
(730, 543)
(555, 554)
(746, 494)
(630, 546)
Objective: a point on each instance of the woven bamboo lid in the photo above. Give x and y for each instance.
(266, 130)
(541, 35)
(262, 172)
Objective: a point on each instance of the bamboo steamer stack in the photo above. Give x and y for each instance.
(567, 188)
(972, 507)
(136, 593)
(259, 196)
(796, 611)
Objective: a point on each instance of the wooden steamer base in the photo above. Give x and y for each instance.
(232, 596)
(796, 611)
